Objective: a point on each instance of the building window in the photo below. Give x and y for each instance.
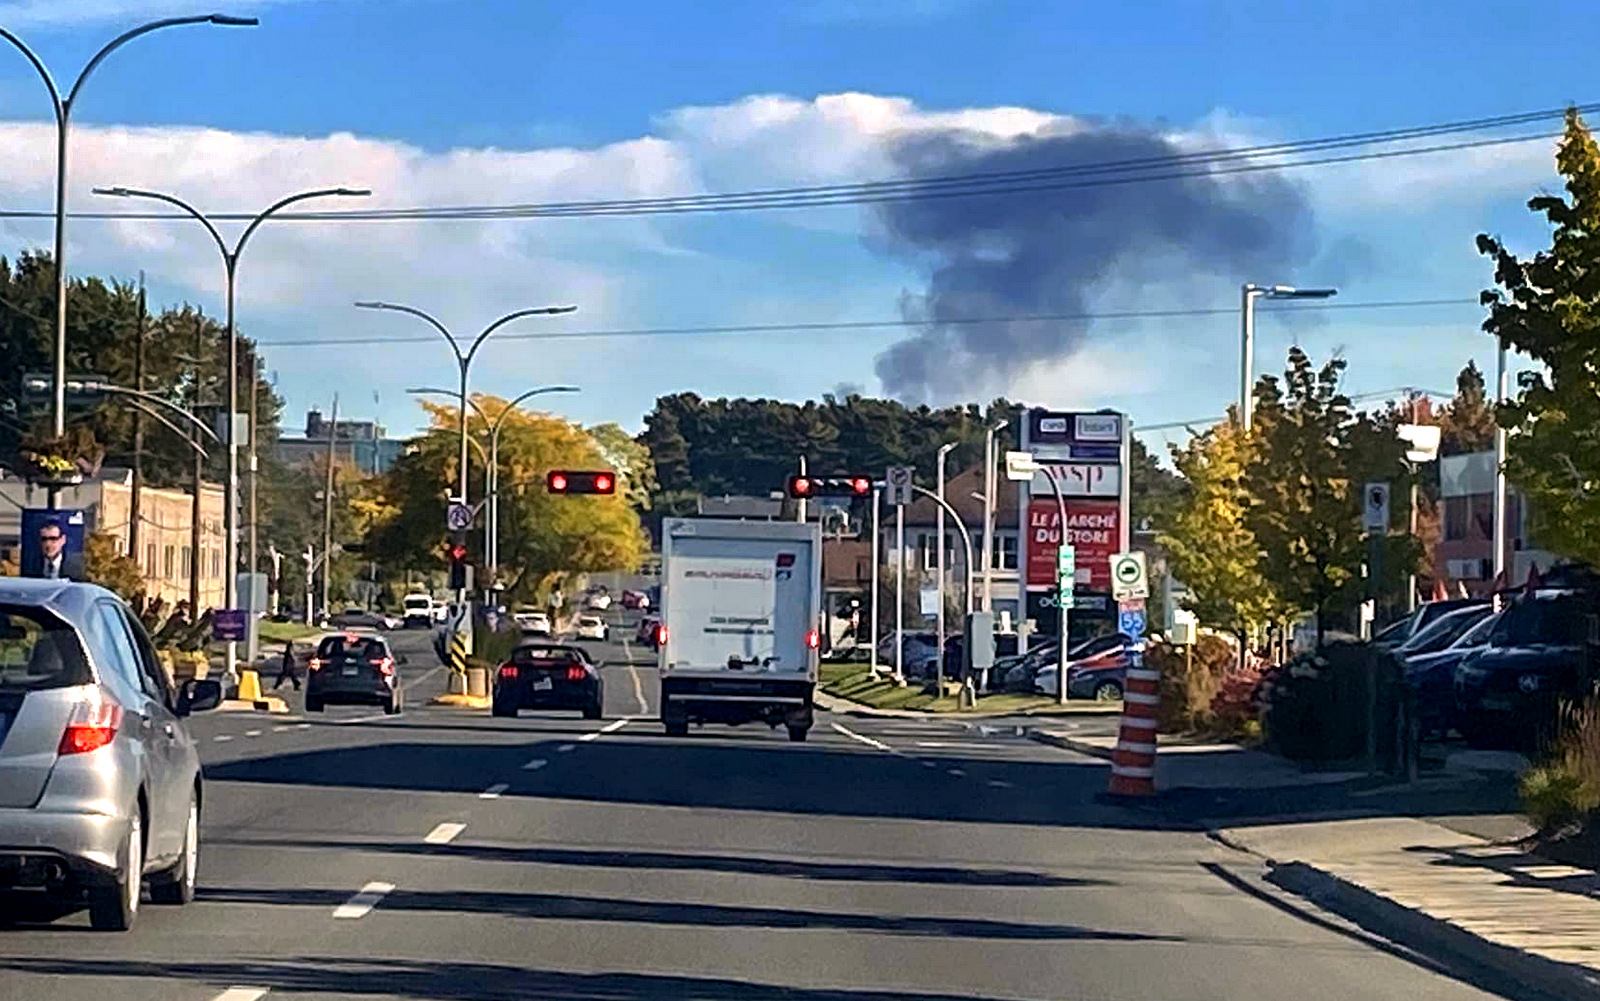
(150, 559)
(169, 556)
(187, 560)
(1457, 513)
(1005, 552)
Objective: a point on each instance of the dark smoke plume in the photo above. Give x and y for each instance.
(1047, 251)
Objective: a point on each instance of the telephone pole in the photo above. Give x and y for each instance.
(136, 496)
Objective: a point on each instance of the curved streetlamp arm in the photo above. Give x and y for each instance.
(966, 537)
(255, 223)
(436, 391)
(44, 74)
(529, 394)
(199, 216)
(105, 387)
(144, 29)
(145, 408)
(519, 314)
(445, 333)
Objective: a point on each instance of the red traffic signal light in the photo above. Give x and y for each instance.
(802, 487)
(457, 551)
(568, 481)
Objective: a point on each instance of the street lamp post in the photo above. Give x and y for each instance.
(1502, 389)
(1248, 294)
(989, 460)
(491, 490)
(944, 450)
(230, 261)
(62, 106)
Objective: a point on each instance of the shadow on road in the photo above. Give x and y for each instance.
(457, 981)
(794, 869)
(563, 907)
(755, 774)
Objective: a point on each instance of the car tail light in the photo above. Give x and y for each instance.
(314, 664)
(813, 640)
(661, 635)
(384, 666)
(576, 672)
(91, 726)
(508, 671)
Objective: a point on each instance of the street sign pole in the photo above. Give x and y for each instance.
(1066, 586)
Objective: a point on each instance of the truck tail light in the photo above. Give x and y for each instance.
(813, 640)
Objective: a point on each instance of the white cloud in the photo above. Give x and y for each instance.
(17, 14)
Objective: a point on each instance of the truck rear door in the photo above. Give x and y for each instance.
(739, 605)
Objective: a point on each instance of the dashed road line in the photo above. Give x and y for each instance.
(564, 748)
(955, 773)
(960, 745)
(535, 765)
(999, 784)
(614, 726)
(252, 733)
(302, 726)
(494, 791)
(222, 738)
(282, 729)
(588, 737)
(241, 994)
(876, 744)
(638, 686)
(360, 905)
(930, 764)
(443, 834)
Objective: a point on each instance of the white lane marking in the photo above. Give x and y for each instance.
(494, 791)
(877, 744)
(564, 748)
(302, 726)
(281, 729)
(614, 726)
(241, 994)
(535, 765)
(360, 905)
(958, 744)
(638, 686)
(930, 764)
(955, 772)
(999, 784)
(588, 737)
(364, 719)
(443, 834)
(222, 738)
(406, 686)
(252, 733)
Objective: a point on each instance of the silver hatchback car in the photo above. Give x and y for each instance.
(100, 785)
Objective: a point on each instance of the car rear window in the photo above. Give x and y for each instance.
(544, 656)
(357, 648)
(38, 650)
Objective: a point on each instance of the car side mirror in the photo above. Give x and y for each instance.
(198, 696)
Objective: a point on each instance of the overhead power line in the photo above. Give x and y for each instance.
(845, 325)
(1275, 156)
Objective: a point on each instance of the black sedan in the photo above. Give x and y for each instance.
(548, 676)
(353, 668)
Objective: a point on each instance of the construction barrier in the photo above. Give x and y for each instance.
(1133, 763)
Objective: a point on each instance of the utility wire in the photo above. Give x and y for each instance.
(823, 327)
(1065, 176)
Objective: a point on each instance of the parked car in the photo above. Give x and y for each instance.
(648, 632)
(1431, 675)
(592, 627)
(600, 600)
(635, 600)
(1095, 670)
(1425, 615)
(1444, 630)
(1506, 692)
(1005, 645)
(547, 676)
(100, 782)
(919, 651)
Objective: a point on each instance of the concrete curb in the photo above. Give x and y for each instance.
(1068, 743)
(270, 704)
(1427, 934)
(838, 704)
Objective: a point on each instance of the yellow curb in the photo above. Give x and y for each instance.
(461, 701)
(270, 704)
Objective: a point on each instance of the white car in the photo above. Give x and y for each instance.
(535, 623)
(593, 627)
(600, 601)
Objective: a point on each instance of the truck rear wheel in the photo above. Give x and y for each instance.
(797, 734)
(675, 720)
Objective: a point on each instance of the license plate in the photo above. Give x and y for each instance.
(1497, 704)
(543, 684)
(349, 672)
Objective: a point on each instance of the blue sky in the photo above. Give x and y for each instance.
(455, 101)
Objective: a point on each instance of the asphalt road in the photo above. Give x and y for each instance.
(444, 854)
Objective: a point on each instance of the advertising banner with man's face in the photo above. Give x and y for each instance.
(47, 535)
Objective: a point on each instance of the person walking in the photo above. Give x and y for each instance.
(287, 671)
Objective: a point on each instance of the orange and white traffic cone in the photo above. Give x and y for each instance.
(1133, 763)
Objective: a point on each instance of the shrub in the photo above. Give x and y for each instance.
(1189, 681)
(1564, 789)
(1314, 708)
(1235, 706)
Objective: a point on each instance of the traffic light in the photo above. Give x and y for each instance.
(806, 487)
(460, 570)
(571, 481)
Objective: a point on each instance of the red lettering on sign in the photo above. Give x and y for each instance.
(1092, 529)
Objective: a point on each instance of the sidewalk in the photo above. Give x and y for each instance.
(1442, 891)
(835, 704)
(1187, 765)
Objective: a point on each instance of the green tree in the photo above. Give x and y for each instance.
(110, 569)
(1548, 307)
(1466, 423)
(1210, 548)
(543, 539)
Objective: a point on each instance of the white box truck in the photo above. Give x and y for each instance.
(741, 605)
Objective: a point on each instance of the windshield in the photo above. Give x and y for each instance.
(1478, 635)
(38, 650)
(1445, 631)
(1546, 617)
(351, 648)
(1397, 631)
(415, 602)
